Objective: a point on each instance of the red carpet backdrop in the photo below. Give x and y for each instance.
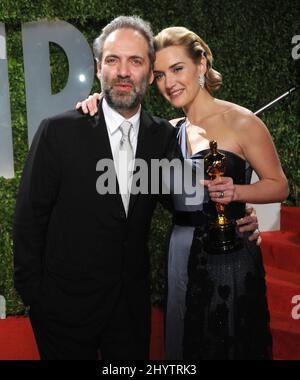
(281, 253)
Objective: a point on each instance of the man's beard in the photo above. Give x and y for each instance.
(123, 101)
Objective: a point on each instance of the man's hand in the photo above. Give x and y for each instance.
(250, 223)
(90, 105)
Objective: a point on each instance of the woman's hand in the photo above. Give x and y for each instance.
(90, 105)
(225, 187)
(221, 190)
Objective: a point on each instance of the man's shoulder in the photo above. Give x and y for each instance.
(62, 127)
(177, 122)
(68, 117)
(64, 122)
(160, 122)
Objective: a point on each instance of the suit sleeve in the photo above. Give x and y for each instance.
(171, 144)
(37, 194)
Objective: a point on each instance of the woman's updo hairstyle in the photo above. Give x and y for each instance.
(195, 47)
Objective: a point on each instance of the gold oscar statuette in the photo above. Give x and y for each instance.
(222, 235)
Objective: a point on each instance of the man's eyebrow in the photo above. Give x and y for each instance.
(136, 57)
(131, 57)
(111, 56)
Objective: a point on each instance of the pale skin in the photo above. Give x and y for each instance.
(235, 128)
(125, 58)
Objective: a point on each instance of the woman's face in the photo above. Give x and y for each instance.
(177, 75)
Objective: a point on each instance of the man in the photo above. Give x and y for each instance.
(81, 258)
(81, 262)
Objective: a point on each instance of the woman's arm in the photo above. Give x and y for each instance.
(259, 150)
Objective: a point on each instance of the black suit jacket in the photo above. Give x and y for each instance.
(75, 251)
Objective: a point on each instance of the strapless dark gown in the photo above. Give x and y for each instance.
(226, 313)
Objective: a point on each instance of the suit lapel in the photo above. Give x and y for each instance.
(99, 144)
(145, 146)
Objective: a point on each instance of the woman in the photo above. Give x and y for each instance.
(227, 315)
(216, 306)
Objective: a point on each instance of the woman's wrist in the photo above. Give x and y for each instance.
(237, 194)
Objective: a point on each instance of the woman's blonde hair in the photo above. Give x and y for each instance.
(195, 47)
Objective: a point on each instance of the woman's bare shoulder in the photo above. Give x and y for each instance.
(233, 109)
(240, 117)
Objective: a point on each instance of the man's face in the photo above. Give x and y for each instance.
(125, 71)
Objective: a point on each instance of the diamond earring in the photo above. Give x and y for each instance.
(202, 80)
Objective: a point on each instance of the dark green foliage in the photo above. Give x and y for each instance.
(251, 43)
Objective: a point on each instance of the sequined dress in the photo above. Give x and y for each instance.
(217, 307)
